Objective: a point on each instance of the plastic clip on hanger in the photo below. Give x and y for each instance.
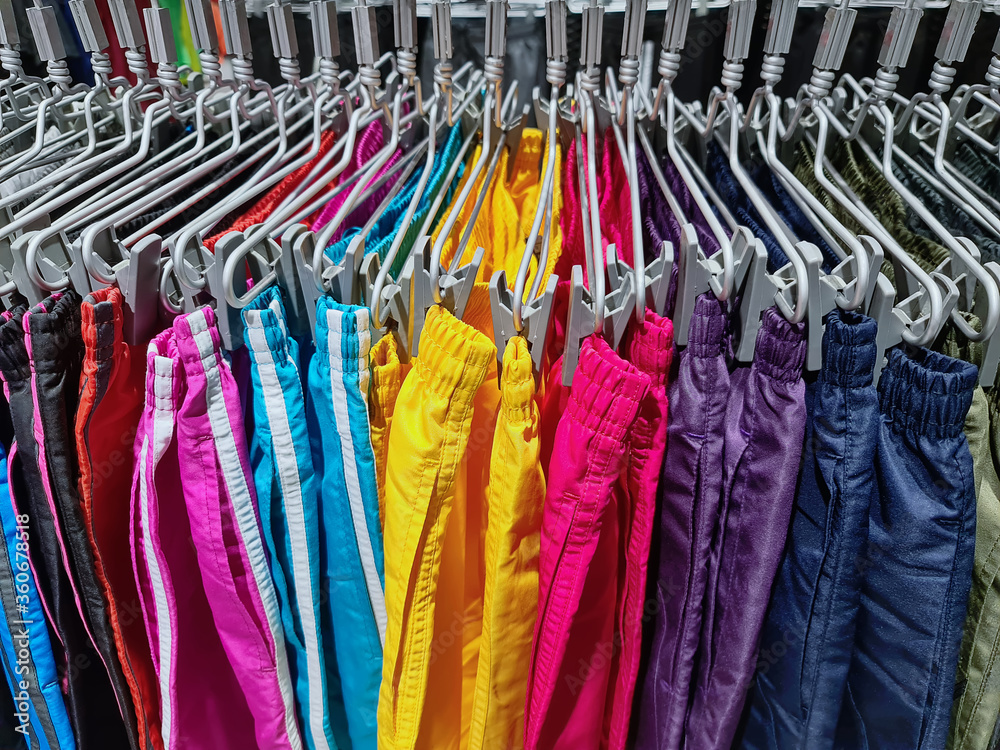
(697, 273)
(454, 287)
(391, 300)
(509, 315)
(977, 284)
(584, 302)
(866, 255)
(921, 310)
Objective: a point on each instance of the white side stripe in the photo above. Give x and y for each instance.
(291, 493)
(376, 595)
(246, 521)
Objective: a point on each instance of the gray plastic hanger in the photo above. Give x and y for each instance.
(493, 134)
(952, 47)
(698, 272)
(726, 132)
(511, 316)
(389, 300)
(977, 285)
(920, 312)
(853, 271)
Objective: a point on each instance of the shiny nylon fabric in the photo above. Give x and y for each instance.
(650, 350)
(387, 376)
(287, 496)
(901, 678)
(225, 527)
(202, 705)
(111, 398)
(977, 703)
(34, 681)
(515, 495)
(690, 489)
(765, 425)
(90, 699)
(578, 568)
(431, 430)
(55, 350)
(353, 567)
(809, 632)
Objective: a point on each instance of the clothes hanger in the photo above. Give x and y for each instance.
(952, 47)
(698, 272)
(132, 39)
(288, 156)
(921, 311)
(331, 107)
(381, 297)
(977, 284)
(63, 93)
(494, 138)
(588, 303)
(623, 113)
(320, 176)
(23, 92)
(53, 235)
(853, 271)
(508, 312)
(727, 134)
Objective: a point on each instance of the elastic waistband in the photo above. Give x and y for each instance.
(606, 390)
(454, 358)
(781, 347)
(198, 341)
(53, 327)
(101, 320)
(708, 325)
(652, 347)
(926, 393)
(849, 349)
(517, 387)
(14, 364)
(343, 335)
(163, 365)
(264, 319)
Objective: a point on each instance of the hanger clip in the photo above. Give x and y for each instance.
(343, 277)
(755, 288)
(284, 41)
(138, 281)
(579, 324)
(536, 317)
(45, 31)
(162, 45)
(658, 277)
(620, 298)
